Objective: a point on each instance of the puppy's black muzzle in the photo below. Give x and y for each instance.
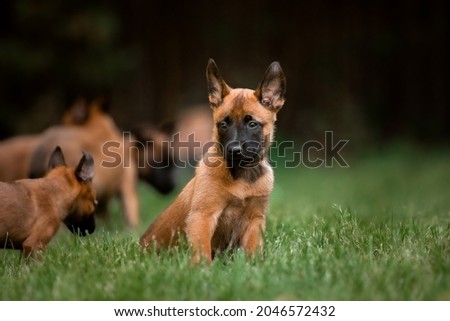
(82, 228)
(243, 154)
(162, 179)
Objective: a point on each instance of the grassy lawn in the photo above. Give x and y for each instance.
(379, 230)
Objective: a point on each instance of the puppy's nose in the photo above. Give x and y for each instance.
(235, 150)
(95, 203)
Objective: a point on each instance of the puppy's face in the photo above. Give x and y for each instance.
(80, 219)
(243, 128)
(155, 158)
(244, 119)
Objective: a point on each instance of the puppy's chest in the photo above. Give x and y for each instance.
(243, 201)
(231, 223)
(235, 210)
(234, 220)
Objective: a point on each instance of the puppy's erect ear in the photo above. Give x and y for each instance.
(85, 169)
(217, 88)
(272, 88)
(56, 159)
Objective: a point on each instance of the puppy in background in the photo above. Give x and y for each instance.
(15, 152)
(192, 134)
(15, 156)
(155, 157)
(31, 210)
(98, 130)
(120, 158)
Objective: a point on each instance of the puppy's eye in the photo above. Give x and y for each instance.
(252, 124)
(222, 125)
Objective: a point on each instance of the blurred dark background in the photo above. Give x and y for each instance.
(373, 72)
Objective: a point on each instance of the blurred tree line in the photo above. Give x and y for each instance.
(371, 71)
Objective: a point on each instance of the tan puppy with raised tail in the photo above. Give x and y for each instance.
(31, 210)
(224, 206)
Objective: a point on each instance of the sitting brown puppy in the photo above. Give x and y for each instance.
(224, 206)
(31, 210)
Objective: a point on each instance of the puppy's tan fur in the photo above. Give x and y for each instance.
(218, 210)
(16, 152)
(15, 156)
(31, 210)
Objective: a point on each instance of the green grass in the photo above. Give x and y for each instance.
(379, 230)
